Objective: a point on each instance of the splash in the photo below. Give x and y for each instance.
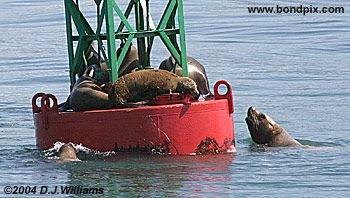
(83, 153)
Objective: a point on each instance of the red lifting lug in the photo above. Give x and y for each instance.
(227, 95)
(47, 108)
(35, 107)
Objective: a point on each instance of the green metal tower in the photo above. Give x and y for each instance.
(170, 25)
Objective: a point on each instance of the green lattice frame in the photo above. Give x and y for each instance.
(166, 30)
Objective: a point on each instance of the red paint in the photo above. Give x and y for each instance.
(180, 127)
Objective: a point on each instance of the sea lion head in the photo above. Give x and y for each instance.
(67, 153)
(261, 126)
(114, 96)
(188, 86)
(98, 74)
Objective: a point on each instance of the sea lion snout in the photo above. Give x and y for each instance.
(251, 111)
(258, 116)
(260, 125)
(254, 116)
(188, 86)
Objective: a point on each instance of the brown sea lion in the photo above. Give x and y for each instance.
(67, 153)
(196, 72)
(144, 85)
(264, 130)
(92, 58)
(130, 61)
(87, 86)
(87, 93)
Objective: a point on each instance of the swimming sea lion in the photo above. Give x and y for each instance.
(264, 130)
(196, 72)
(144, 85)
(87, 93)
(67, 153)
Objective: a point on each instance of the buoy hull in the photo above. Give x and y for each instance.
(199, 127)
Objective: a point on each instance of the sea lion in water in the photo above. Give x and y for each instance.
(196, 72)
(67, 153)
(145, 85)
(264, 130)
(87, 93)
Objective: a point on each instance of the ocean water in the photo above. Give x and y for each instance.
(295, 68)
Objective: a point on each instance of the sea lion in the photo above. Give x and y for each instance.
(130, 61)
(93, 82)
(87, 93)
(144, 85)
(264, 130)
(196, 72)
(67, 153)
(92, 57)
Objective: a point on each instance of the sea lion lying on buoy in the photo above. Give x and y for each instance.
(264, 130)
(145, 85)
(90, 84)
(87, 93)
(67, 153)
(196, 72)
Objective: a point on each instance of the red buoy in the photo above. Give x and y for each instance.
(172, 125)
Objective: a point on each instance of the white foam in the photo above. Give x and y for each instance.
(52, 153)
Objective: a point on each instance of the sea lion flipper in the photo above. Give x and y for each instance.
(132, 104)
(65, 106)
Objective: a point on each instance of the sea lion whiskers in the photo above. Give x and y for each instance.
(91, 74)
